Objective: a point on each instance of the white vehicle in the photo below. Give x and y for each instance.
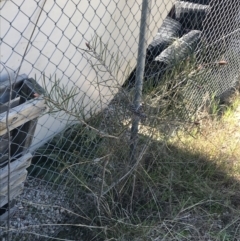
(55, 31)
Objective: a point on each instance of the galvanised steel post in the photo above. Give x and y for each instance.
(146, 8)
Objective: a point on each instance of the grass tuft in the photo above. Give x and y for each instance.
(185, 187)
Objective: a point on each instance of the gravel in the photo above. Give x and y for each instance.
(38, 212)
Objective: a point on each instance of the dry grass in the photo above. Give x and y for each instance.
(184, 188)
(218, 136)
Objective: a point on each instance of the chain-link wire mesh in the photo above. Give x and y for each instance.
(219, 51)
(76, 61)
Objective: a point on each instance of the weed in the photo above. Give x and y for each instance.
(185, 182)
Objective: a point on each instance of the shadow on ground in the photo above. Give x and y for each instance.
(173, 195)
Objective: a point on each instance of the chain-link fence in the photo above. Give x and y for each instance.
(86, 88)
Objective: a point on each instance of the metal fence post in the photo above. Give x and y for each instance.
(145, 16)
